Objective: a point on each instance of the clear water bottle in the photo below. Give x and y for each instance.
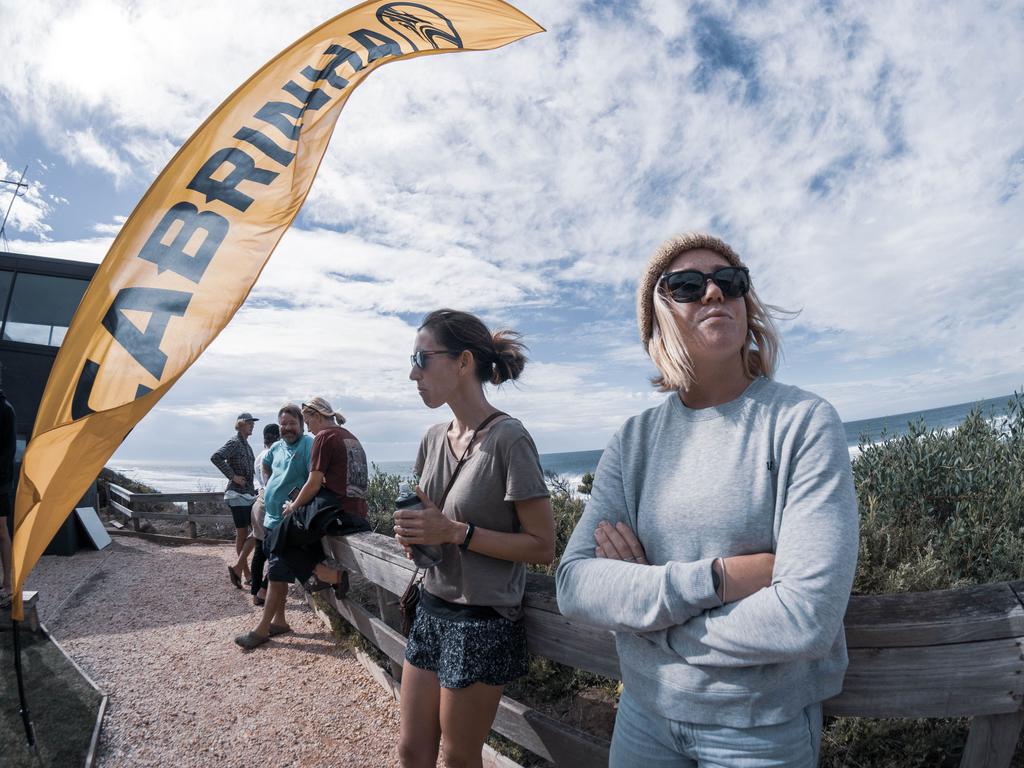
(424, 555)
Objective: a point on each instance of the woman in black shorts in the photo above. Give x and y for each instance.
(468, 641)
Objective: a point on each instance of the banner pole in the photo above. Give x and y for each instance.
(26, 718)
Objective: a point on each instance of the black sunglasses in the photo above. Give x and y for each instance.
(688, 285)
(419, 357)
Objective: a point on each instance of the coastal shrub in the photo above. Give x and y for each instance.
(380, 498)
(567, 507)
(108, 476)
(943, 508)
(938, 509)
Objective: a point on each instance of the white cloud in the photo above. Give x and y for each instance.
(30, 205)
(86, 147)
(90, 250)
(866, 161)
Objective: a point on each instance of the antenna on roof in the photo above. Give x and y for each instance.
(19, 190)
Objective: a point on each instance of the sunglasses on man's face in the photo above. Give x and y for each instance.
(419, 357)
(688, 285)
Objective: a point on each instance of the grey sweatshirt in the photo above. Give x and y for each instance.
(767, 472)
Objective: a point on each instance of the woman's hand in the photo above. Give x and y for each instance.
(426, 525)
(618, 542)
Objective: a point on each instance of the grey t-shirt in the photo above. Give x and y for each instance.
(502, 467)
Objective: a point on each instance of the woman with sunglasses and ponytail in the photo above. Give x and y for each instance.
(484, 502)
(720, 540)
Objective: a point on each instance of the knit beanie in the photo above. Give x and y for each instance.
(667, 251)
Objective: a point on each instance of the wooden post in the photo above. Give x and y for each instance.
(992, 740)
(191, 522)
(135, 523)
(391, 615)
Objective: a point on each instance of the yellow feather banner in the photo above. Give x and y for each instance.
(192, 249)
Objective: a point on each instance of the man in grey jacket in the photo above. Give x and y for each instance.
(720, 541)
(235, 460)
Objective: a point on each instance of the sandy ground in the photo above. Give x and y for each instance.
(154, 625)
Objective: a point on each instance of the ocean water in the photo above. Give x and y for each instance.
(173, 477)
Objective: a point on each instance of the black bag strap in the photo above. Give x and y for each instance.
(451, 481)
(465, 454)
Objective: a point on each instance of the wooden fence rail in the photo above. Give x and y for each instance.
(953, 653)
(131, 505)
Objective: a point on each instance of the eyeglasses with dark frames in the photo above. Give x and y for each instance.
(689, 285)
(418, 358)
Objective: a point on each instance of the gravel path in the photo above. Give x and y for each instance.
(153, 626)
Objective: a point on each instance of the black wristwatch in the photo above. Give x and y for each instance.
(469, 535)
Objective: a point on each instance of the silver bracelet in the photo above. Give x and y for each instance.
(718, 580)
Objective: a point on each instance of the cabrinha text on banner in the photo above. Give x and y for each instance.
(189, 254)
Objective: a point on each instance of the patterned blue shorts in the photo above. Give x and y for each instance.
(463, 651)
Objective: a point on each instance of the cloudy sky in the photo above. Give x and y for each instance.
(866, 160)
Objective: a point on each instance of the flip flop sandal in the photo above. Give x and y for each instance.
(258, 601)
(279, 629)
(235, 578)
(251, 640)
(314, 584)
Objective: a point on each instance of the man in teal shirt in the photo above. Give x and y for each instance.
(286, 464)
(285, 467)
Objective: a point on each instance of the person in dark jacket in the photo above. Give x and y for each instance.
(7, 450)
(235, 460)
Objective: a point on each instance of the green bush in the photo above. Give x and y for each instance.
(938, 509)
(567, 507)
(380, 498)
(851, 741)
(943, 508)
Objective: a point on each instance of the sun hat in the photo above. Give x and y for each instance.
(321, 406)
(667, 251)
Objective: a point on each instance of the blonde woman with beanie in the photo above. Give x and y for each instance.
(720, 541)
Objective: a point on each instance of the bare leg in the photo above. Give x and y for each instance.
(242, 564)
(466, 718)
(273, 609)
(419, 730)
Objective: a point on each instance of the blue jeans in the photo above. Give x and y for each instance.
(645, 740)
